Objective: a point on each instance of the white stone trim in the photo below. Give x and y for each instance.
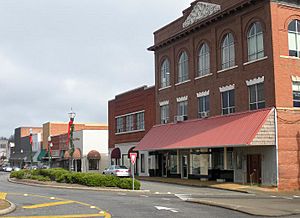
(124, 115)
(289, 57)
(186, 81)
(295, 78)
(230, 68)
(200, 11)
(132, 131)
(255, 81)
(164, 88)
(163, 103)
(201, 94)
(256, 60)
(199, 77)
(183, 98)
(226, 88)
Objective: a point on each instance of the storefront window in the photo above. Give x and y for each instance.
(93, 165)
(173, 164)
(125, 160)
(195, 164)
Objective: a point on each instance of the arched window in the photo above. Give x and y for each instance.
(165, 74)
(183, 69)
(294, 38)
(255, 42)
(203, 60)
(228, 52)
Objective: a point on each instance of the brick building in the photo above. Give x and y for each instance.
(223, 67)
(20, 153)
(131, 116)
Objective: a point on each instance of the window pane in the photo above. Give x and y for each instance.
(260, 92)
(252, 92)
(231, 98)
(224, 99)
(292, 26)
(292, 41)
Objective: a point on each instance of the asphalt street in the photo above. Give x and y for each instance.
(163, 200)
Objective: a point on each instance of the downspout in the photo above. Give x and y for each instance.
(276, 144)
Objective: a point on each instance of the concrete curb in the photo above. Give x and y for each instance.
(242, 209)
(40, 184)
(204, 186)
(10, 209)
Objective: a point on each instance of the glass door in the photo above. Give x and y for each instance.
(184, 166)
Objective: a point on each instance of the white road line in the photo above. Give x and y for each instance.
(166, 208)
(183, 197)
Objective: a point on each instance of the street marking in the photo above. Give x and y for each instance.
(25, 195)
(144, 196)
(166, 208)
(296, 196)
(106, 215)
(183, 197)
(273, 196)
(156, 193)
(288, 198)
(92, 207)
(47, 204)
(52, 198)
(166, 199)
(3, 195)
(169, 193)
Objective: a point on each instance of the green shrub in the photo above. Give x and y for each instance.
(87, 179)
(17, 174)
(126, 183)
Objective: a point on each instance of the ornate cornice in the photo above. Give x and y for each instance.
(200, 11)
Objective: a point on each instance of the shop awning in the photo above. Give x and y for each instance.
(94, 155)
(131, 150)
(116, 153)
(42, 154)
(238, 129)
(77, 154)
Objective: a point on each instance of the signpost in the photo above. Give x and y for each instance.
(133, 159)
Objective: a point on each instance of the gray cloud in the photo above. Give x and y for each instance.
(62, 53)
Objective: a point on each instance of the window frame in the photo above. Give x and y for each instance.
(230, 109)
(255, 38)
(256, 102)
(205, 105)
(296, 34)
(228, 51)
(165, 74)
(182, 105)
(204, 60)
(119, 125)
(164, 110)
(183, 67)
(140, 121)
(129, 123)
(296, 85)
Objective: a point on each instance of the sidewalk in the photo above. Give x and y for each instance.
(261, 201)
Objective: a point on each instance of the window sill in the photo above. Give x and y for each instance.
(164, 88)
(289, 57)
(200, 77)
(227, 69)
(256, 60)
(177, 84)
(133, 131)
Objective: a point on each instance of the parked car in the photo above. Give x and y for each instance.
(8, 169)
(16, 168)
(121, 171)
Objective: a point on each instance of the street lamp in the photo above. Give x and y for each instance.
(49, 150)
(30, 142)
(72, 115)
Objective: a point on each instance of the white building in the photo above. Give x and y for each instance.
(91, 150)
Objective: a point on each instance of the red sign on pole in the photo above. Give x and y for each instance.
(133, 157)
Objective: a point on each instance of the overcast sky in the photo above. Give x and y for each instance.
(58, 54)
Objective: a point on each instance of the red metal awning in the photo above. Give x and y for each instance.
(116, 153)
(131, 150)
(94, 155)
(238, 129)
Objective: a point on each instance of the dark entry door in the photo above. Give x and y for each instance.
(184, 166)
(254, 168)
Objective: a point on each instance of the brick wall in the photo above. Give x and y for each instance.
(289, 149)
(213, 34)
(132, 101)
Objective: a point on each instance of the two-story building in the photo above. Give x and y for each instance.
(131, 116)
(227, 86)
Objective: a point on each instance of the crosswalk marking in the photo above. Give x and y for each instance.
(47, 204)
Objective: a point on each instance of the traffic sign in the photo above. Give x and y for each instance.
(133, 157)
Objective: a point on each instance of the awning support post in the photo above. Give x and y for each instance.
(225, 158)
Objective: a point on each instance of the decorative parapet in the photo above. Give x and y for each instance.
(163, 103)
(200, 11)
(255, 81)
(226, 88)
(201, 94)
(183, 98)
